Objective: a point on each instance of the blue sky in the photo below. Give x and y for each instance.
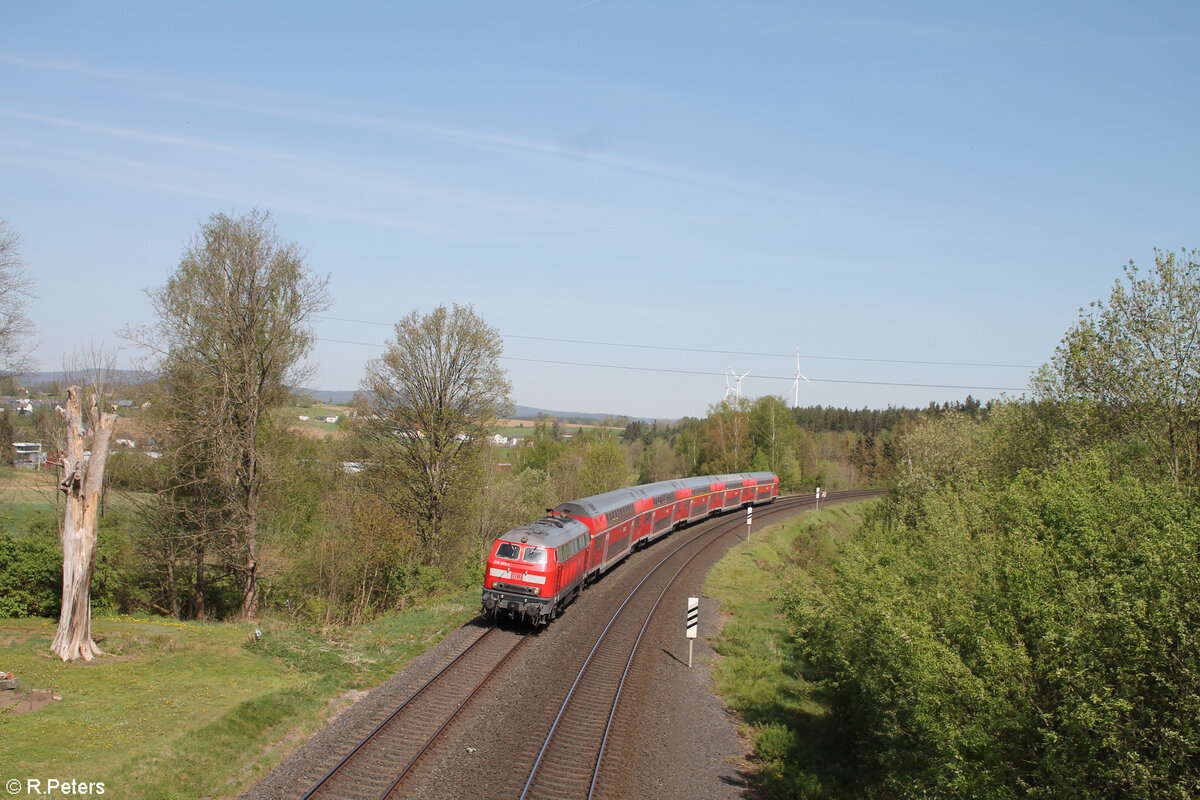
(876, 185)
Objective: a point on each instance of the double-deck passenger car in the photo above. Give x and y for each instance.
(534, 570)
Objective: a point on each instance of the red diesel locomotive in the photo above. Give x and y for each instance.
(536, 569)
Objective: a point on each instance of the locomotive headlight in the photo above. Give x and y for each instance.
(536, 591)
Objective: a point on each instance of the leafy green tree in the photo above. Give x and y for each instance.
(941, 451)
(604, 467)
(774, 431)
(232, 335)
(658, 462)
(8, 453)
(727, 433)
(543, 447)
(1130, 368)
(434, 395)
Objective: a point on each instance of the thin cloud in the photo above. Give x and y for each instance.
(140, 135)
(326, 169)
(73, 67)
(169, 178)
(477, 139)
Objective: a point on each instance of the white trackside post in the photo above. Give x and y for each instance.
(693, 622)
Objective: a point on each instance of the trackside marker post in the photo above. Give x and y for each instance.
(693, 623)
(749, 520)
(818, 498)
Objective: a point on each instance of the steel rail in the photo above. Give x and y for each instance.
(420, 690)
(799, 502)
(718, 534)
(429, 743)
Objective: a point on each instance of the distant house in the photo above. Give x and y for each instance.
(29, 455)
(303, 418)
(332, 419)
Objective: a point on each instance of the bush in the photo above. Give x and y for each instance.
(1035, 638)
(30, 576)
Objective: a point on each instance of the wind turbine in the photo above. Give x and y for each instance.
(737, 382)
(796, 384)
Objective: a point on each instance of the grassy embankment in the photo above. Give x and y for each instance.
(315, 425)
(25, 494)
(189, 710)
(760, 672)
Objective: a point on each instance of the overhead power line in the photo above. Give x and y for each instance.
(706, 373)
(726, 352)
(771, 355)
(764, 377)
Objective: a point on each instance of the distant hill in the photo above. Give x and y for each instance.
(331, 397)
(38, 381)
(522, 412)
(573, 417)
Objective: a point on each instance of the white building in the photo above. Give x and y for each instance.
(29, 455)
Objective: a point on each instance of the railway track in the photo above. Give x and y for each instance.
(571, 759)
(376, 766)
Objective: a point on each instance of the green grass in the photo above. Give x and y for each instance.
(190, 710)
(290, 416)
(760, 669)
(24, 509)
(516, 432)
(20, 518)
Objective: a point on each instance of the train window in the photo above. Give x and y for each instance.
(508, 550)
(535, 555)
(571, 548)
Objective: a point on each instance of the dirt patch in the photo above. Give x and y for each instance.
(315, 433)
(565, 427)
(14, 702)
(338, 706)
(9, 638)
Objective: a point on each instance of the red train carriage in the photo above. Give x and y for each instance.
(536, 569)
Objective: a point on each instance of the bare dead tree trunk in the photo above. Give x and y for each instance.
(81, 484)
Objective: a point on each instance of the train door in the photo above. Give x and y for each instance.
(618, 543)
(597, 552)
(682, 509)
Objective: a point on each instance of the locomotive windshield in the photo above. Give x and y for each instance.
(535, 555)
(508, 550)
